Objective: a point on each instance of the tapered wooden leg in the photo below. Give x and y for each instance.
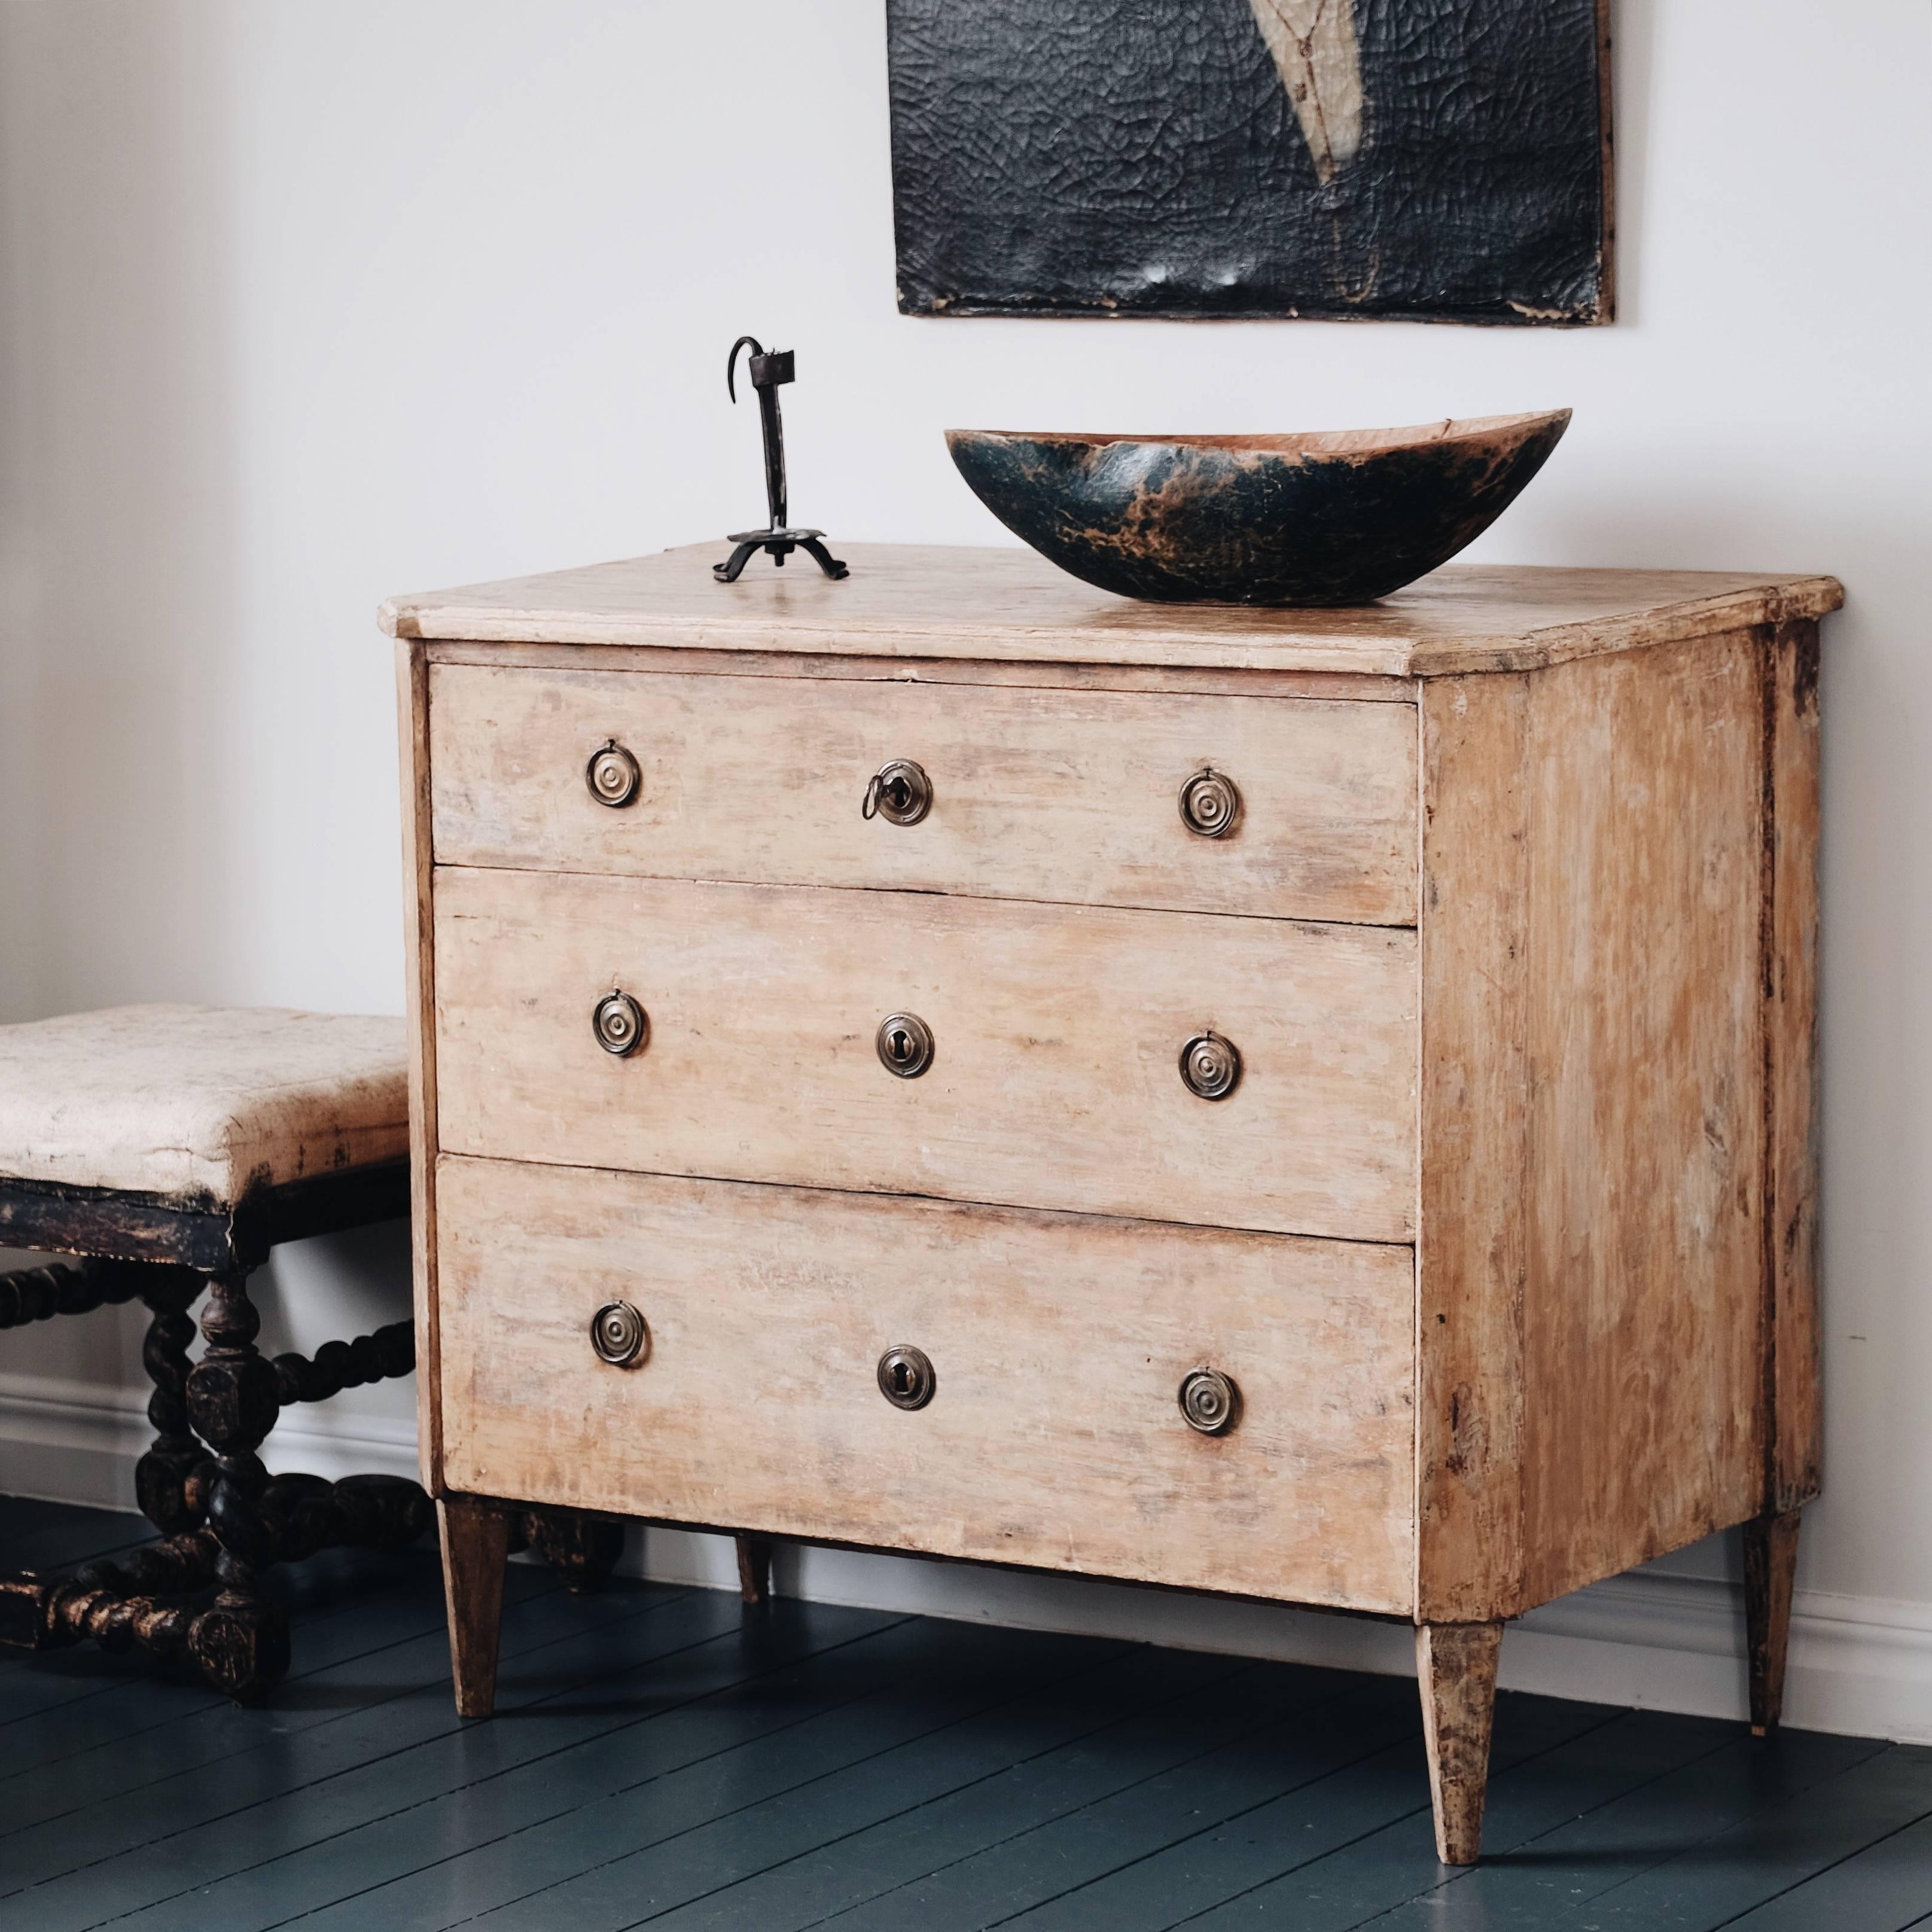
(475, 1546)
(755, 1568)
(1455, 1671)
(1771, 1561)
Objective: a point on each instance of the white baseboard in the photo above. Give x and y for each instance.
(78, 1442)
(1859, 1666)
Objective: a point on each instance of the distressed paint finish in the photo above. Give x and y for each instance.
(905, 604)
(1328, 686)
(1455, 1671)
(1795, 1471)
(1593, 1112)
(412, 720)
(1644, 1427)
(1054, 1438)
(1592, 1277)
(1055, 1083)
(1342, 517)
(1472, 1234)
(1049, 795)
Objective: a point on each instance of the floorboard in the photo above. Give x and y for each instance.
(666, 1757)
(1887, 1885)
(1278, 1859)
(1721, 1876)
(112, 1857)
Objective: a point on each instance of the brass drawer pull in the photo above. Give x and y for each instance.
(619, 1334)
(612, 775)
(621, 1025)
(1210, 1066)
(1210, 1401)
(898, 792)
(905, 1045)
(906, 1379)
(1210, 801)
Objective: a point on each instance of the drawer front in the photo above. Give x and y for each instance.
(1054, 1436)
(1054, 795)
(1055, 1079)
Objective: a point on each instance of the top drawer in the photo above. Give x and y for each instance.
(1035, 794)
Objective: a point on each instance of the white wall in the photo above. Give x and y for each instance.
(304, 304)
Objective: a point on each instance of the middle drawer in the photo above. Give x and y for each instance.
(1055, 1079)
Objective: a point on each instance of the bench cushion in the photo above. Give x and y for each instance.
(200, 1102)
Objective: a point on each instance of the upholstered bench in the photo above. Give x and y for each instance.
(171, 1148)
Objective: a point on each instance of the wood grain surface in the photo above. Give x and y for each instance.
(1792, 1119)
(1771, 1567)
(911, 600)
(1186, 681)
(1456, 1672)
(1591, 1296)
(1037, 795)
(1055, 1083)
(1471, 1236)
(1642, 1345)
(475, 1546)
(419, 975)
(1053, 1438)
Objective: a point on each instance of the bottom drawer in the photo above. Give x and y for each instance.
(1054, 1437)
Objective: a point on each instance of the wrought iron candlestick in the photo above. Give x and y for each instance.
(770, 372)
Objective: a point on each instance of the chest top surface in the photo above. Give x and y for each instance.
(914, 600)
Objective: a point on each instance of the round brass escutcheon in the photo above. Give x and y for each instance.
(621, 1025)
(619, 1334)
(898, 792)
(1210, 801)
(612, 775)
(1210, 1401)
(906, 1379)
(905, 1045)
(1210, 1066)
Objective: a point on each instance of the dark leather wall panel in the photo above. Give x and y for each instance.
(1445, 159)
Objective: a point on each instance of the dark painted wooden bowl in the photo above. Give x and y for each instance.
(1335, 517)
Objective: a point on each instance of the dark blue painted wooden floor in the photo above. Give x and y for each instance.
(660, 1757)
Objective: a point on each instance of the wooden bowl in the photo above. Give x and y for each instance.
(1332, 516)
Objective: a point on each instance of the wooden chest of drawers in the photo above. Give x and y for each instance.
(1311, 1105)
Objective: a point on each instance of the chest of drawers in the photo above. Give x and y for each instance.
(1315, 1106)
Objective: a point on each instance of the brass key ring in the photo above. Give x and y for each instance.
(899, 792)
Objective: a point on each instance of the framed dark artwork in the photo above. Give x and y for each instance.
(1443, 160)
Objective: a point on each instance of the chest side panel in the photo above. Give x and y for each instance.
(1594, 1320)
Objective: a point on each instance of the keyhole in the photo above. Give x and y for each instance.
(904, 1045)
(905, 1376)
(898, 794)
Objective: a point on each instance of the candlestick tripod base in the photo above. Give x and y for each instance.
(781, 543)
